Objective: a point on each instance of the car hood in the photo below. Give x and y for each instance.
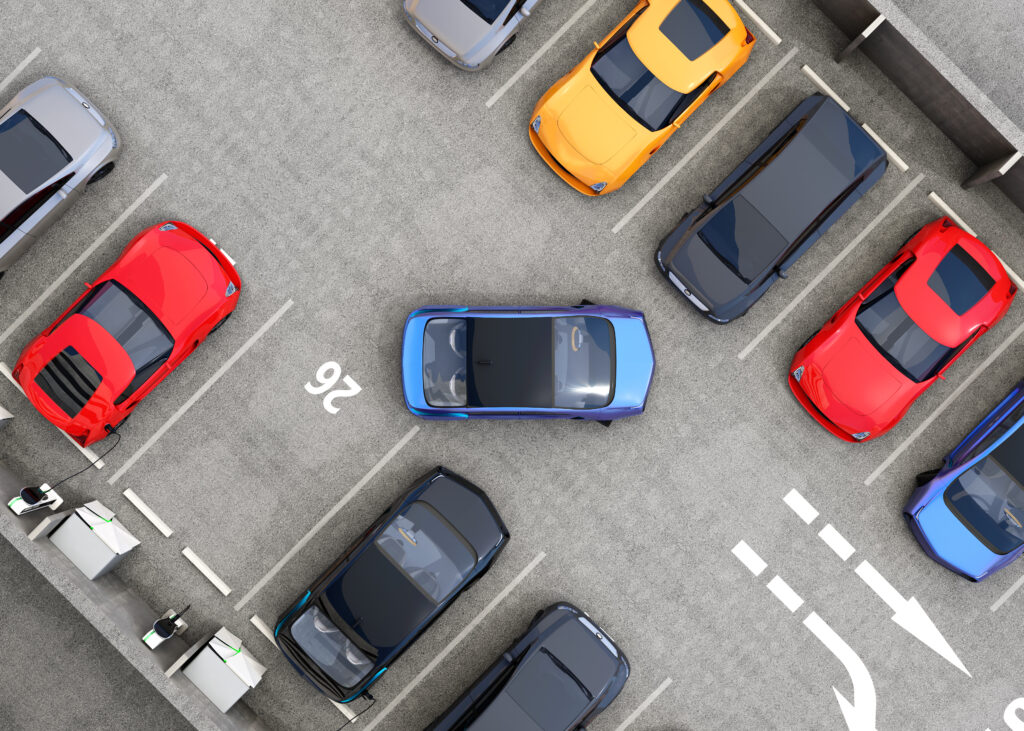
(65, 118)
(168, 283)
(952, 542)
(634, 362)
(858, 377)
(453, 23)
(701, 271)
(594, 125)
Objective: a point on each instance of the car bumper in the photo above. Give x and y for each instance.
(560, 171)
(815, 412)
(446, 53)
(926, 546)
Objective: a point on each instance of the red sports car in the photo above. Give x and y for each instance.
(865, 368)
(169, 289)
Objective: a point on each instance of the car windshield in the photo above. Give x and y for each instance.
(426, 550)
(989, 499)
(130, 323)
(489, 10)
(742, 239)
(29, 155)
(549, 693)
(960, 281)
(636, 89)
(903, 343)
(444, 362)
(330, 648)
(693, 28)
(583, 362)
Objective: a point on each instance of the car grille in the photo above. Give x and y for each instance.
(69, 381)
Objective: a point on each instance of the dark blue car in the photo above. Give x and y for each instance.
(969, 515)
(391, 584)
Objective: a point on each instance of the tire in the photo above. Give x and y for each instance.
(101, 173)
(925, 477)
(508, 43)
(218, 325)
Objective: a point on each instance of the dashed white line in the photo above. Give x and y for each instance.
(760, 23)
(19, 68)
(327, 517)
(27, 312)
(206, 571)
(1009, 592)
(820, 83)
(798, 503)
(896, 159)
(834, 540)
(645, 705)
(785, 594)
(198, 394)
(692, 152)
(455, 642)
(788, 309)
(945, 405)
(944, 207)
(148, 512)
(540, 52)
(749, 558)
(264, 628)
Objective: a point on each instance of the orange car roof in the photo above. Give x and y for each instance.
(660, 55)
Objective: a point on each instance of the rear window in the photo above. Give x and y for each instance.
(29, 155)
(694, 28)
(743, 239)
(960, 281)
(69, 381)
(130, 323)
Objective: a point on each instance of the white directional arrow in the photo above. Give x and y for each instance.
(859, 715)
(909, 614)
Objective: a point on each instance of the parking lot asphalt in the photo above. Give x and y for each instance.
(352, 172)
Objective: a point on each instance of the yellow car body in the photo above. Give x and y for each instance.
(590, 137)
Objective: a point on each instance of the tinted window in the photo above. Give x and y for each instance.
(489, 10)
(69, 381)
(427, 551)
(988, 497)
(584, 357)
(741, 237)
(129, 322)
(444, 362)
(511, 362)
(330, 649)
(960, 281)
(29, 155)
(693, 28)
(638, 90)
(548, 692)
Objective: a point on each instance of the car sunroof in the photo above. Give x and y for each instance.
(693, 28)
(960, 281)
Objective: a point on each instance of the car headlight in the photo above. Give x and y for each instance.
(231, 289)
(598, 187)
(798, 374)
(535, 125)
(861, 436)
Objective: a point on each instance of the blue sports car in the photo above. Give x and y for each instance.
(582, 362)
(969, 515)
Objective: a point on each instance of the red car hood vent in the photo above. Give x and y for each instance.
(860, 377)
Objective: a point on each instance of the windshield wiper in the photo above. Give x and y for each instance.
(567, 671)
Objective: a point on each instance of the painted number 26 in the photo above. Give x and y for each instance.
(328, 376)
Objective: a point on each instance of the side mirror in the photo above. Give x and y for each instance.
(88, 285)
(709, 200)
(782, 273)
(597, 45)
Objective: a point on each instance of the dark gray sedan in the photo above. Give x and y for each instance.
(469, 33)
(53, 143)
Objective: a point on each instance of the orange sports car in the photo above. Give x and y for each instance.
(607, 116)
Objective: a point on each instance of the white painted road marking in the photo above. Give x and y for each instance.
(944, 207)
(198, 394)
(859, 715)
(148, 512)
(19, 68)
(760, 23)
(1009, 592)
(263, 628)
(834, 540)
(749, 558)
(89, 454)
(896, 159)
(327, 376)
(820, 83)
(1012, 274)
(27, 312)
(944, 405)
(540, 52)
(455, 642)
(828, 270)
(206, 571)
(327, 517)
(645, 705)
(800, 506)
(785, 594)
(692, 152)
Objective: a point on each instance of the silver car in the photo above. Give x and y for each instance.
(469, 33)
(53, 143)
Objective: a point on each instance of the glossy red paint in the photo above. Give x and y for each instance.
(182, 277)
(848, 386)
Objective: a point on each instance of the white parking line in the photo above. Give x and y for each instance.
(828, 270)
(198, 394)
(206, 571)
(645, 705)
(749, 558)
(785, 594)
(800, 506)
(27, 312)
(835, 540)
(820, 83)
(944, 405)
(760, 23)
(540, 52)
(1009, 592)
(148, 512)
(264, 628)
(934, 198)
(896, 159)
(692, 152)
(89, 454)
(455, 642)
(19, 68)
(327, 517)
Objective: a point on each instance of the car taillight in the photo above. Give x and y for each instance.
(750, 38)
(17, 372)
